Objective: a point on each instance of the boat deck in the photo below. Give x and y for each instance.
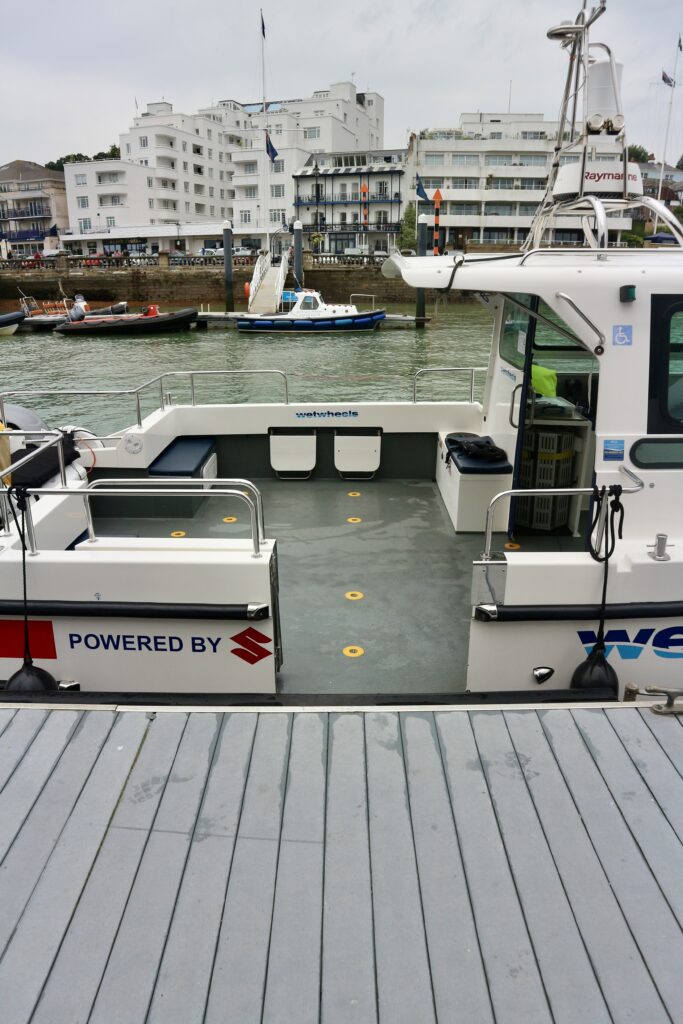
(402, 555)
(378, 866)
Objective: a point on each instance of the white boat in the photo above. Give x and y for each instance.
(414, 549)
(309, 314)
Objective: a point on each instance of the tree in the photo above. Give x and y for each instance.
(406, 236)
(678, 211)
(71, 158)
(113, 153)
(638, 154)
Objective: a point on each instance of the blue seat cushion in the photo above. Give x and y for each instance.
(183, 457)
(473, 464)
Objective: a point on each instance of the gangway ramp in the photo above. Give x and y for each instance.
(267, 284)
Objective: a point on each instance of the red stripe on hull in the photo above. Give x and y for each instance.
(40, 634)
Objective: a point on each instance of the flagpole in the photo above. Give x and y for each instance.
(668, 126)
(266, 199)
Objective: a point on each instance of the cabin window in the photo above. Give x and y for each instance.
(665, 398)
(657, 453)
(309, 302)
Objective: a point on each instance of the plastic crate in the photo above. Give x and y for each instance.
(550, 513)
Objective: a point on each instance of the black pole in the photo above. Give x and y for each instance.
(421, 251)
(227, 267)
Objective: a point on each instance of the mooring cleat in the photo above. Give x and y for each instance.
(671, 707)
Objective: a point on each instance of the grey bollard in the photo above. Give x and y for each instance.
(227, 267)
(299, 253)
(421, 251)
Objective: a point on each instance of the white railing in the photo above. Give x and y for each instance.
(260, 270)
(281, 278)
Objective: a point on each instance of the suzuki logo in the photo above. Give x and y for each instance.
(250, 649)
(666, 643)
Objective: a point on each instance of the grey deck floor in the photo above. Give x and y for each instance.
(403, 556)
(475, 867)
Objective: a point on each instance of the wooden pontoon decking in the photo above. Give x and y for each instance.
(475, 866)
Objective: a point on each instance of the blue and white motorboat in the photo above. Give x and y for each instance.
(310, 314)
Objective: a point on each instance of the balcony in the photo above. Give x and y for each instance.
(336, 200)
(353, 227)
(13, 213)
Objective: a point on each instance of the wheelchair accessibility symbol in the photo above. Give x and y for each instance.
(622, 334)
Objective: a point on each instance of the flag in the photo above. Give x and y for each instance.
(420, 189)
(263, 26)
(270, 148)
(667, 79)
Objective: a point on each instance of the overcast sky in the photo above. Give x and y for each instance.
(74, 69)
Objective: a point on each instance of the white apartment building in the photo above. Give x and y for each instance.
(32, 207)
(351, 200)
(180, 176)
(492, 173)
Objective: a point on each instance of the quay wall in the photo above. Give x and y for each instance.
(192, 286)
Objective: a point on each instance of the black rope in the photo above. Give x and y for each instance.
(609, 539)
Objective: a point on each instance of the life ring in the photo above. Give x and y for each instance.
(247, 289)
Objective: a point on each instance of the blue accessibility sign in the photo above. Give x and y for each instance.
(622, 334)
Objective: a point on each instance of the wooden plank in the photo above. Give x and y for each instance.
(40, 833)
(457, 969)
(39, 933)
(568, 978)
(128, 982)
(86, 948)
(6, 716)
(241, 956)
(348, 991)
(403, 977)
(180, 994)
(514, 980)
(293, 977)
(655, 767)
(656, 838)
(28, 779)
(668, 731)
(632, 937)
(16, 739)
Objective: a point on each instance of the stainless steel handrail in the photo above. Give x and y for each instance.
(136, 492)
(448, 369)
(57, 438)
(579, 312)
(548, 492)
(137, 392)
(193, 483)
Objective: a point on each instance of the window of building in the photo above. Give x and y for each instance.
(210, 191)
(498, 209)
(500, 183)
(212, 211)
(532, 183)
(496, 135)
(245, 216)
(84, 224)
(81, 179)
(150, 203)
(343, 191)
(433, 182)
(277, 216)
(184, 147)
(569, 158)
(609, 157)
(128, 147)
(222, 193)
(208, 133)
(143, 142)
(115, 200)
(250, 167)
(83, 202)
(312, 133)
(277, 191)
(497, 159)
(467, 183)
(187, 207)
(465, 159)
(186, 186)
(342, 218)
(111, 222)
(278, 166)
(532, 160)
(277, 129)
(209, 154)
(464, 209)
(533, 135)
(251, 192)
(434, 159)
(527, 209)
(185, 165)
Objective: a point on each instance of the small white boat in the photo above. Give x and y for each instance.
(310, 314)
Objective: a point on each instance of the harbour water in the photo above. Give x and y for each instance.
(347, 367)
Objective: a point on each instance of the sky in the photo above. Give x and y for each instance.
(430, 59)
